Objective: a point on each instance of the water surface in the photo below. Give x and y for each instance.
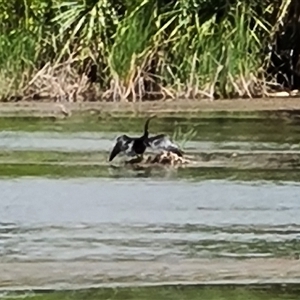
(84, 219)
(260, 129)
(103, 141)
(62, 203)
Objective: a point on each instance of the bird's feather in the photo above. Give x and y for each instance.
(122, 144)
(136, 146)
(163, 142)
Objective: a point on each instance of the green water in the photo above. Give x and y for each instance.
(171, 293)
(259, 131)
(207, 129)
(59, 164)
(67, 171)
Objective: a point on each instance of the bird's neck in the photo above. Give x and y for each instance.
(145, 135)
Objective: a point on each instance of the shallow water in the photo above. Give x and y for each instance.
(61, 203)
(217, 129)
(101, 141)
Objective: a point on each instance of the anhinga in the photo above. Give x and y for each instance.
(136, 146)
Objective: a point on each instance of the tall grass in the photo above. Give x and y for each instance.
(143, 49)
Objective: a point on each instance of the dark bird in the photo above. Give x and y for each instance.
(132, 146)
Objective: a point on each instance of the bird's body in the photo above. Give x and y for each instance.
(129, 146)
(136, 146)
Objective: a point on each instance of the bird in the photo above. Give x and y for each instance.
(163, 142)
(136, 146)
(131, 146)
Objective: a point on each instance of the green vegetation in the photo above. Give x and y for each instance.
(183, 137)
(143, 49)
(169, 292)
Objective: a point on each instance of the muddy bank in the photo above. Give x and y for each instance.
(53, 275)
(287, 105)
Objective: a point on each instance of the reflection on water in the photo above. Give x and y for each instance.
(101, 141)
(87, 219)
(110, 242)
(265, 128)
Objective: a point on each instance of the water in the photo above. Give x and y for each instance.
(101, 141)
(62, 204)
(168, 292)
(50, 220)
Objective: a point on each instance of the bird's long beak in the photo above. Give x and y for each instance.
(152, 116)
(115, 151)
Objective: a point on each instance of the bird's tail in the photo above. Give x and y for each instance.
(146, 132)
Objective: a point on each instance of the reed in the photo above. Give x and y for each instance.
(182, 137)
(144, 49)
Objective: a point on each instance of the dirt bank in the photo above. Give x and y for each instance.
(158, 107)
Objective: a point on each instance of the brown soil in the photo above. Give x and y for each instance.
(158, 107)
(164, 158)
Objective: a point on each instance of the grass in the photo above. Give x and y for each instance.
(181, 137)
(143, 49)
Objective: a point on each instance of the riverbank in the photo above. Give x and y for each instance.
(31, 108)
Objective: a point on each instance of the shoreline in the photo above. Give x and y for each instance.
(264, 105)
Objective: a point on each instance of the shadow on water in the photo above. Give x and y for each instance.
(275, 292)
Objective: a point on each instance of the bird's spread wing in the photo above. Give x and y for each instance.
(163, 142)
(122, 144)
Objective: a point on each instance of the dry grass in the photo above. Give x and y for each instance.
(165, 158)
(61, 83)
(202, 49)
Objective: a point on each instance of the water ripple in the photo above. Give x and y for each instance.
(90, 219)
